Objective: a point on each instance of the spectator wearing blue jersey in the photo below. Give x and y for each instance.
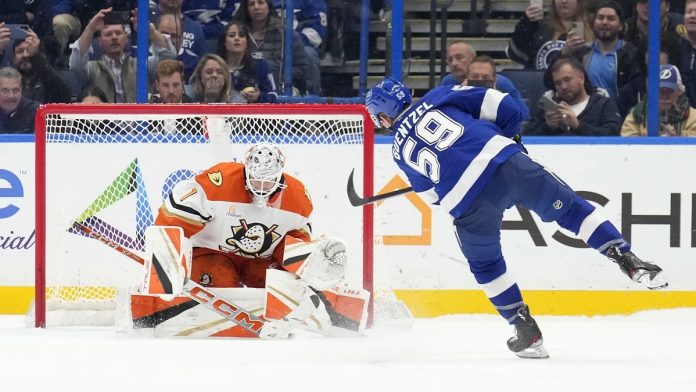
(456, 147)
(460, 55)
(252, 79)
(185, 33)
(310, 22)
(579, 110)
(212, 15)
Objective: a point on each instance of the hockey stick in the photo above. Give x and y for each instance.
(108, 242)
(193, 290)
(224, 307)
(358, 201)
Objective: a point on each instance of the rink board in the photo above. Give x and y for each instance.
(417, 254)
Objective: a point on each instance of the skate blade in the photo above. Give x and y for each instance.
(656, 283)
(535, 351)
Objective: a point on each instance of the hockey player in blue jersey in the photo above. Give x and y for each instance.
(459, 148)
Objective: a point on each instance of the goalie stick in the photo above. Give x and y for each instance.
(358, 201)
(196, 292)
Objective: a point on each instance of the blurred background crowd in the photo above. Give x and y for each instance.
(577, 67)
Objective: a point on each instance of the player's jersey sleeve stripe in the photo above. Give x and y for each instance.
(490, 104)
(494, 146)
(165, 215)
(186, 209)
(429, 196)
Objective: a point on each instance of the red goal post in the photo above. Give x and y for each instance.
(102, 170)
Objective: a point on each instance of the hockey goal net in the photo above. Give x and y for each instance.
(103, 170)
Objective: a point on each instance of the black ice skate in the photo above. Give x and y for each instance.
(527, 342)
(638, 270)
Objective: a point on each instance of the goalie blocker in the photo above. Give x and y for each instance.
(305, 294)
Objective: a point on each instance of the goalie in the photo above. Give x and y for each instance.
(248, 225)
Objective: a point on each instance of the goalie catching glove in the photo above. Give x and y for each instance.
(320, 263)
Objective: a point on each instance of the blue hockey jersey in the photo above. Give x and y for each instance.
(310, 19)
(451, 141)
(213, 15)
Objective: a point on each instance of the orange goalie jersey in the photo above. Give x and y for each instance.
(235, 241)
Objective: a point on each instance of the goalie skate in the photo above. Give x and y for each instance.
(528, 341)
(648, 274)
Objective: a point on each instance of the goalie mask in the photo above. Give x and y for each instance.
(264, 164)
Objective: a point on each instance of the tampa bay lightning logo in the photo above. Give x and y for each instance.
(547, 53)
(665, 74)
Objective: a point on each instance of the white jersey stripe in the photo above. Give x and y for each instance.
(590, 224)
(489, 106)
(498, 285)
(429, 196)
(473, 171)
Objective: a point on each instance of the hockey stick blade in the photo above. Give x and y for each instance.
(224, 307)
(358, 201)
(107, 241)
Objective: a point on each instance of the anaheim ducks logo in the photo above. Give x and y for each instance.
(215, 177)
(252, 239)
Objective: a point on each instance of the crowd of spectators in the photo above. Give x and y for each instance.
(592, 54)
(211, 51)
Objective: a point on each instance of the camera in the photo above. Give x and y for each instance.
(117, 18)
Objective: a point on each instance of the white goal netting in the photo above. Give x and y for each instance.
(108, 167)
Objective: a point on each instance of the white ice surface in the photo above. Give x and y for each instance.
(649, 351)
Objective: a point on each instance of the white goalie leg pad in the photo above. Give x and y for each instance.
(289, 303)
(324, 264)
(167, 261)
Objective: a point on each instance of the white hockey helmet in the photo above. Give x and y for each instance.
(264, 164)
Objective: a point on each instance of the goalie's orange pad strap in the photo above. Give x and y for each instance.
(293, 264)
(349, 309)
(275, 308)
(155, 284)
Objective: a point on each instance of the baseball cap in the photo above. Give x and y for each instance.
(669, 77)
